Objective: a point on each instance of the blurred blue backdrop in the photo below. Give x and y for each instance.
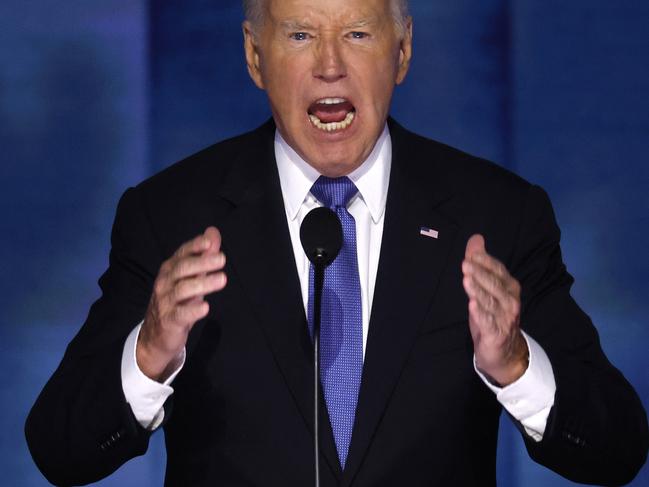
(96, 95)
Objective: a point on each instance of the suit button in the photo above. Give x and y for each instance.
(575, 440)
(112, 440)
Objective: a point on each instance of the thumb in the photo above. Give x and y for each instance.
(214, 236)
(475, 245)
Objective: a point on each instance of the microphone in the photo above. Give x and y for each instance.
(321, 235)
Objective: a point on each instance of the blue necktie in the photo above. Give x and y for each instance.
(341, 326)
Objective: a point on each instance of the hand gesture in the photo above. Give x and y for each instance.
(494, 315)
(178, 301)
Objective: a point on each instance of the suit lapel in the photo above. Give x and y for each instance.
(257, 243)
(409, 268)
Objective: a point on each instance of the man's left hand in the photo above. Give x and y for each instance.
(494, 315)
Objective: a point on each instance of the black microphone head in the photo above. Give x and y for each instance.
(321, 234)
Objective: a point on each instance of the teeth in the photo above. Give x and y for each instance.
(331, 101)
(331, 126)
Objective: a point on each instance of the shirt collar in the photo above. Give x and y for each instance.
(371, 177)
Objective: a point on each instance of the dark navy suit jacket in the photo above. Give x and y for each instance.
(241, 411)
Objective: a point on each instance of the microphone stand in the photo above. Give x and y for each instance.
(318, 271)
(321, 235)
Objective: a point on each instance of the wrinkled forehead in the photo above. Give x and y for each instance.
(339, 11)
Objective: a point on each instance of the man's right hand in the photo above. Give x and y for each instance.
(178, 301)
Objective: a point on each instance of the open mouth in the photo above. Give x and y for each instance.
(331, 114)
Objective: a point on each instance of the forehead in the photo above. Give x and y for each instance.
(330, 10)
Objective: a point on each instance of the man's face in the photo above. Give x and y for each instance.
(329, 68)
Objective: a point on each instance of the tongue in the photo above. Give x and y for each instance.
(331, 113)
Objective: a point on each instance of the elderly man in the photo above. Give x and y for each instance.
(426, 335)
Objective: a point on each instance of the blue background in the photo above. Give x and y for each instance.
(95, 95)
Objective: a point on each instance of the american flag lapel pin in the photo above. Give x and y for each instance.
(428, 232)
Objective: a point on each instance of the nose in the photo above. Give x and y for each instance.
(330, 65)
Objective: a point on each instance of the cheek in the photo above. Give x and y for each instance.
(375, 83)
(283, 97)
(285, 86)
(379, 93)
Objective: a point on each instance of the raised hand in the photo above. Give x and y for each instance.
(494, 315)
(178, 301)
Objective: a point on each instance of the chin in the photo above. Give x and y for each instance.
(336, 163)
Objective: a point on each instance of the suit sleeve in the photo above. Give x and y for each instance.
(597, 428)
(81, 428)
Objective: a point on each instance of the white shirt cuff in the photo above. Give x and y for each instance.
(145, 396)
(531, 397)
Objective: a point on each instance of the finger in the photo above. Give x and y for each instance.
(497, 267)
(475, 245)
(469, 286)
(479, 294)
(196, 287)
(484, 321)
(197, 245)
(213, 235)
(505, 307)
(488, 281)
(162, 285)
(175, 269)
(491, 263)
(505, 291)
(190, 266)
(189, 313)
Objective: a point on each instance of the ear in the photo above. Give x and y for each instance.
(252, 54)
(405, 52)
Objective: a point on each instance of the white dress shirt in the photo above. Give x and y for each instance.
(529, 399)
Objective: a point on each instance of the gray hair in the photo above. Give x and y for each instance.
(254, 12)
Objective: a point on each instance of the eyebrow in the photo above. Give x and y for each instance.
(359, 23)
(295, 25)
(298, 25)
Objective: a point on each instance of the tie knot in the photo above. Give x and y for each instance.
(334, 192)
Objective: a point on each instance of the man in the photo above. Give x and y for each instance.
(220, 357)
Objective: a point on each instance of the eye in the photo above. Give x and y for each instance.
(299, 36)
(358, 35)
